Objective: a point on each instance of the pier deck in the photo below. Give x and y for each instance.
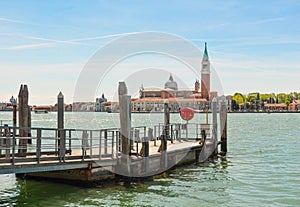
(94, 149)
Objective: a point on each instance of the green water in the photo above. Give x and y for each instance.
(262, 169)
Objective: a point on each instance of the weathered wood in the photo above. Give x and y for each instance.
(214, 125)
(29, 125)
(223, 127)
(85, 143)
(7, 142)
(166, 128)
(24, 119)
(105, 141)
(60, 119)
(60, 110)
(125, 124)
(38, 145)
(14, 146)
(14, 115)
(62, 144)
(91, 142)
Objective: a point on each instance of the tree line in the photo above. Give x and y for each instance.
(256, 100)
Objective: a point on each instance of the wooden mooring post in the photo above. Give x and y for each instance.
(125, 128)
(164, 136)
(214, 125)
(61, 140)
(24, 120)
(223, 127)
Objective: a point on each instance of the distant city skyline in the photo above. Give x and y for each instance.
(253, 45)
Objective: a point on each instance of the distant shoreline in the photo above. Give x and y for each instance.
(158, 112)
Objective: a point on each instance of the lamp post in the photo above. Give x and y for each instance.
(13, 101)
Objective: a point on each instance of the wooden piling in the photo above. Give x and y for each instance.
(24, 119)
(223, 127)
(60, 111)
(125, 127)
(14, 115)
(60, 125)
(215, 125)
(164, 137)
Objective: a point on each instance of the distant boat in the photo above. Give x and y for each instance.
(41, 111)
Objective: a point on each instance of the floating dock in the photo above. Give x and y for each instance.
(95, 155)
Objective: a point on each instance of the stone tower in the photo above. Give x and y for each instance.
(197, 86)
(205, 75)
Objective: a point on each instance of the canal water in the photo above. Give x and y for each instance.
(262, 168)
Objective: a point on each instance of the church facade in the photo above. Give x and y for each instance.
(152, 99)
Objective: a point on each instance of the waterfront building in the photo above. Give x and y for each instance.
(152, 99)
(275, 106)
(3, 106)
(99, 105)
(295, 105)
(205, 75)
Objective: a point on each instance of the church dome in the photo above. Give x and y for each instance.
(103, 99)
(171, 84)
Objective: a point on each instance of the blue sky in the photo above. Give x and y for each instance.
(253, 45)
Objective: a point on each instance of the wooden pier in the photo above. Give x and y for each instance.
(92, 155)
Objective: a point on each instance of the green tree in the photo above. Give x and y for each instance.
(239, 98)
(281, 97)
(265, 97)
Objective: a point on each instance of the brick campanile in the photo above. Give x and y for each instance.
(205, 75)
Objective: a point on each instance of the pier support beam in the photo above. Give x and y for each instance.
(214, 125)
(60, 126)
(223, 127)
(125, 124)
(24, 120)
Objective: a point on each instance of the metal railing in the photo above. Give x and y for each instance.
(52, 145)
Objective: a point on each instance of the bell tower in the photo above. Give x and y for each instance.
(205, 75)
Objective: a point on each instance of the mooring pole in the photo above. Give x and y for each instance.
(60, 125)
(164, 136)
(24, 119)
(125, 124)
(215, 125)
(167, 125)
(13, 101)
(223, 127)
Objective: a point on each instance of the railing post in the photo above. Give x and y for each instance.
(84, 143)
(136, 140)
(197, 138)
(186, 131)
(179, 131)
(100, 143)
(62, 145)
(117, 143)
(105, 141)
(7, 142)
(1, 141)
(38, 145)
(172, 133)
(70, 142)
(14, 146)
(91, 143)
(112, 143)
(155, 135)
